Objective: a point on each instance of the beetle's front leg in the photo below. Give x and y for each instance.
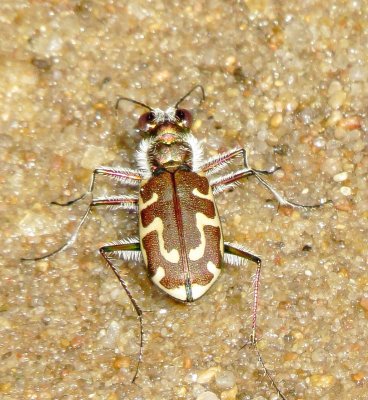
(124, 175)
(126, 249)
(216, 163)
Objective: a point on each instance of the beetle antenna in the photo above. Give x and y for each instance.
(132, 101)
(190, 92)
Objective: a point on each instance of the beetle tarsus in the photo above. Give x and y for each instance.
(267, 372)
(70, 202)
(283, 201)
(120, 248)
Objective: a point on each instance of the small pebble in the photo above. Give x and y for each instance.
(358, 72)
(345, 191)
(318, 355)
(5, 387)
(187, 362)
(290, 356)
(181, 391)
(307, 116)
(335, 86)
(350, 123)
(334, 118)
(112, 334)
(343, 205)
(225, 380)
(364, 302)
(43, 265)
(121, 362)
(205, 376)
(359, 377)
(322, 381)
(332, 166)
(342, 176)
(229, 394)
(207, 396)
(276, 120)
(64, 343)
(319, 142)
(337, 100)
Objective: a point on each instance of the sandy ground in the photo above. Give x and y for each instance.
(289, 82)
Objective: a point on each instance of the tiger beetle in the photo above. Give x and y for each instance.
(180, 235)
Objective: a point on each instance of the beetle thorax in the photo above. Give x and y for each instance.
(169, 150)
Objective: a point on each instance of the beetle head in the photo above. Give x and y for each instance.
(166, 124)
(157, 121)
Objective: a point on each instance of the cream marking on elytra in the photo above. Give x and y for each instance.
(179, 292)
(197, 193)
(200, 290)
(157, 226)
(144, 205)
(202, 221)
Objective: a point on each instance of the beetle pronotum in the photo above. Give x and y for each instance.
(180, 235)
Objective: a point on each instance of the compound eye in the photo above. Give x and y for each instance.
(146, 121)
(184, 117)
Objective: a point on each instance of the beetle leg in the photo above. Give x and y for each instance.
(122, 250)
(117, 202)
(237, 254)
(219, 161)
(216, 163)
(232, 179)
(124, 175)
(282, 200)
(259, 171)
(125, 202)
(69, 242)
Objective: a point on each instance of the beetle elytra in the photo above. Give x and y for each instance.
(180, 235)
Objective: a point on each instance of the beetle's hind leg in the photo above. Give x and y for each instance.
(128, 249)
(114, 202)
(237, 254)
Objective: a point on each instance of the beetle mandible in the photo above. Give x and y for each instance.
(180, 235)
